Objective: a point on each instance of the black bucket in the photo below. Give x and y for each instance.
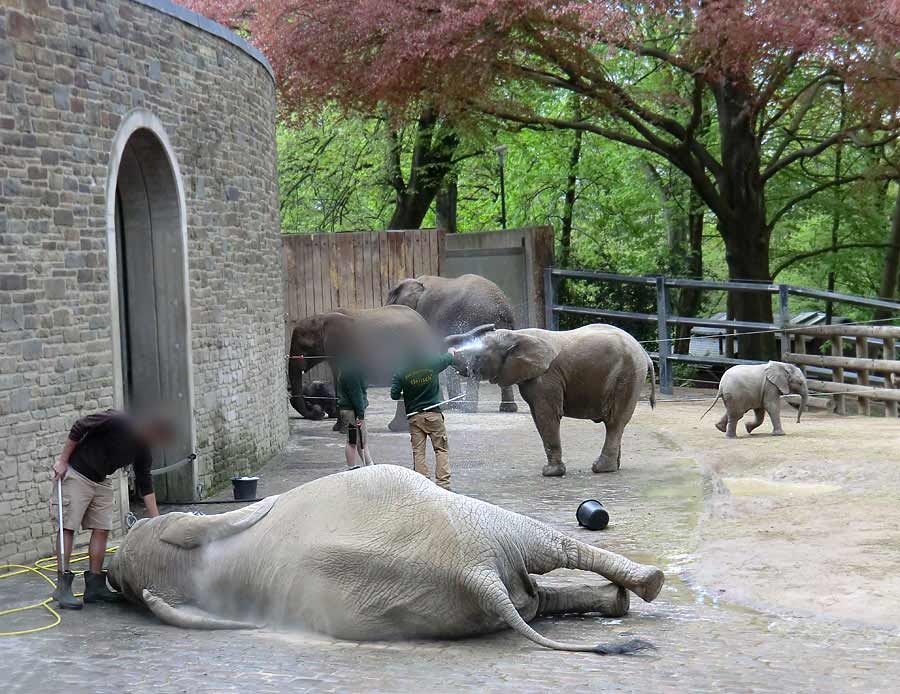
(592, 515)
(244, 488)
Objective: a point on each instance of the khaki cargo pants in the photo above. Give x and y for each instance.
(430, 425)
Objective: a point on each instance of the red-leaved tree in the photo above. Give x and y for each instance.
(734, 93)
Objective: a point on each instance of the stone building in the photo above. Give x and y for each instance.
(139, 244)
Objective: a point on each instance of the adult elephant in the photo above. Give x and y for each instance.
(370, 554)
(595, 372)
(457, 305)
(758, 387)
(379, 339)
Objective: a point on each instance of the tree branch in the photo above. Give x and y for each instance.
(822, 251)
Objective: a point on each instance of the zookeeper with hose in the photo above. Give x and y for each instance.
(419, 386)
(97, 446)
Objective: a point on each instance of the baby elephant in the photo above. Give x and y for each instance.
(758, 387)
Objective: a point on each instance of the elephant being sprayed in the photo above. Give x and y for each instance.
(595, 372)
(371, 554)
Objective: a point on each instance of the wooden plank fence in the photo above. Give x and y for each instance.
(353, 269)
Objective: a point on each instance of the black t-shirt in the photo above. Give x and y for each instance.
(108, 441)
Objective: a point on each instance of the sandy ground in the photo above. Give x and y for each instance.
(781, 556)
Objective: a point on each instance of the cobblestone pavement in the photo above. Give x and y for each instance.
(657, 501)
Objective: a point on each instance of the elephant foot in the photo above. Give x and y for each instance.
(779, 432)
(337, 427)
(651, 584)
(398, 426)
(507, 406)
(730, 436)
(551, 470)
(721, 427)
(605, 464)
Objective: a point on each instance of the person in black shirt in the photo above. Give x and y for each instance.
(97, 446)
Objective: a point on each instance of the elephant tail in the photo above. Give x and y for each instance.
(652, 382)
(718, 395)
(499, 602)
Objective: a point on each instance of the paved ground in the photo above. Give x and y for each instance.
(781, 557)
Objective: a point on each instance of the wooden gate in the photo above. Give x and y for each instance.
(353, 269)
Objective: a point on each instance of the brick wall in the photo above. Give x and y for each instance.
(70, 71)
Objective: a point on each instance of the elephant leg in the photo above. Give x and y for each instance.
(470, 402)
(734, 416)
(611, 454)
(547, 423)
(759, 414)
(454, 388)
(774, 410)
(722, 424)
(399, 422)
(508, 399)
(608, 599)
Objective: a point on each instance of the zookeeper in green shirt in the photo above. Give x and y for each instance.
(419, 386)
(352, 402)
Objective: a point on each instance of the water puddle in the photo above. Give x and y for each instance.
(757, 486)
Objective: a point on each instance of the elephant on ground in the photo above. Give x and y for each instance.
(758, 387)
(457, 305)
(595, 372)
(370, 554)
(379, 339)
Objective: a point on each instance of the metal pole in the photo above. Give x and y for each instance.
(784, 319)
(502, 197)
(61, 552)
(662, 332)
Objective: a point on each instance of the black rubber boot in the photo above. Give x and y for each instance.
(63, 593)
(96, 590)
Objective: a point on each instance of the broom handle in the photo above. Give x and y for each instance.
(61, 552)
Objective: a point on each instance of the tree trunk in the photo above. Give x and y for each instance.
(565, 240)
(689, 300)
(445, 205)
(742, 224)
(434, 146)
(890, 276)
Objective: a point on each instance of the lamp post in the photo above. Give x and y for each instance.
(501, 156)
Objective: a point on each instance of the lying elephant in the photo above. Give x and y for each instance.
(758, 387)
(595, 372)
(456, 305)
(370, 554)
(378, 338)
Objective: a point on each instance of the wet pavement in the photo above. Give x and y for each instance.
(720, 632)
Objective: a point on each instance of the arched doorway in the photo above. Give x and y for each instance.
(148, 274)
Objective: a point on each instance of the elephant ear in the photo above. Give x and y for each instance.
(188, 531)
(777, 375)
(337, 330)
(406, 293)
(526, 357)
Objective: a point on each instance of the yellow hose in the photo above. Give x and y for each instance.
(39, 567)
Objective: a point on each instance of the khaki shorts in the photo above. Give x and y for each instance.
(87, 503)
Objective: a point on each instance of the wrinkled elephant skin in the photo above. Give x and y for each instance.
(369, 554)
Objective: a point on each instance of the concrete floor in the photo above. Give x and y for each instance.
(781, 556)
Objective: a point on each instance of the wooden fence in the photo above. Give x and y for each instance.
(875, 350)
(353, 269)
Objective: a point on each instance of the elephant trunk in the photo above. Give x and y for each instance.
(298, 402)
(804, 398)
(473, 334)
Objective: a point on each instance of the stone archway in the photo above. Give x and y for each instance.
(146, 230)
